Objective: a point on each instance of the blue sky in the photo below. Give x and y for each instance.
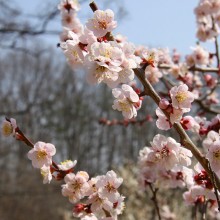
(154, 23)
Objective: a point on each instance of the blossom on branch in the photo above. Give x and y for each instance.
(127, 101)
(41, 154)
(102, 22)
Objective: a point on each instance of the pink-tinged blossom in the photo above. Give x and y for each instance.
(73, 52)
(213, 156)
(76, 186)
(98, 204)
(130, 61)
(8, 127)
(152, 74)
(200, 55)
(181, 97)
(189, 199)
(107, 186)
(165, 151)
(41, 154)
(72, 22)
(102, 22)
(97, 74)
(46, 174)
(66, 165)
(211, 138)
(176, 115)
(69, 5)
(184, 156)
(162, 121)
(127, 101)
(108, 55)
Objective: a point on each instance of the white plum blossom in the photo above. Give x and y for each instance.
(73, 52)
(127, 101)
(200, 55)
(165, 151)
(69, 5)
(66, 165)
(102, 22)
(213, 156)
(8, 127)
(181, 97)
(108, 186)
(152, 74)
(162, 121)
(211, 138)
(76, 186)
(41, 154)
(108, 55)
(46, 174)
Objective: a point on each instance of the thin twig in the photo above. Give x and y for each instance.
(154, 199)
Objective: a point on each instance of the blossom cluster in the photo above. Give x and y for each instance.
(164, 164)
(208, 19)
(101, 199)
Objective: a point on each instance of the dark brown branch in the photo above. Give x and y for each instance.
(93, 6)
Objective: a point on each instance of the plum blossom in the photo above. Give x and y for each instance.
(162, 121)
(127, 101)
(66, 165)
(200, 56)
(102, 22)
(153, 74)
(41, 154)
(213, 156)
(46, 174)
(165, 151)
(8, 127)
(69, 5)
(108, 55)
(188, 122)
(76, 186)
(211, 138)
(108, 186)
(181, 97)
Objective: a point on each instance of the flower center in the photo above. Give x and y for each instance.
(102, 25)
(181, 97)
(124, 105)
(164, 152)
(110, 187)
(216, 154)
(41, 154)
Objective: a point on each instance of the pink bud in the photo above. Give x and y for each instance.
(164, 103)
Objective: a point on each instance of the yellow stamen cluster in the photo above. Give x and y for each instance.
(41, 154)
(181, 97)
(216, 154)
(124, 105)
(102, 25)
(110, 187)
(7, 129)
